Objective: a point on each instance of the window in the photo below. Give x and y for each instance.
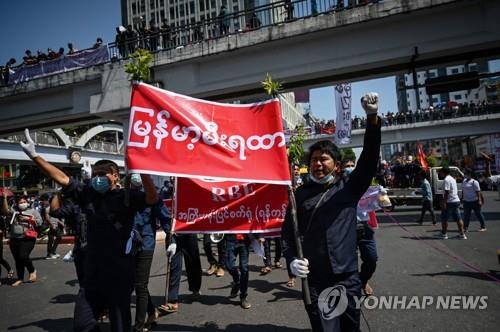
(202, 5)
(435, 100)
(457, 97)
(134, 8)
(455, 71)
(409, 104)
(191, 7)
(235, 8)
(432, 74)
(143, 6)
(172, 13)
(152, 5)
(162, 3)
(476, 96)
(473, 67)
(182, 11)
(212, 4)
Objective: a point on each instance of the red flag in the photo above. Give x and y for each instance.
(175, 135)
(228, 207)
(421, 157)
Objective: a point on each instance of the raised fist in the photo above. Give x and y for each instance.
(370, 103)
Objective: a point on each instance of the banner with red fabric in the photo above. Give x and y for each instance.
(421, 157)
(212, 206)
(175, 135)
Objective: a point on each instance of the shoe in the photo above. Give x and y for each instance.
(234, 289)
(32, 277)
(56, 255)
(220, 272)
(196, 295)
(443, 236)
(10, 274)
(245, 304)
(51, 257)
(17, 283)
(278, 265)
(434, 223)
(420, 222)
(462, 237)
(482, 229)
(266, 270)
(211, 269)
(151, 320)
(466, 230)
(291, 283)
(367, 289)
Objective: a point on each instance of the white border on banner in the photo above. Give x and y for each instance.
(202, 177)
(271, 230)
(207, 101)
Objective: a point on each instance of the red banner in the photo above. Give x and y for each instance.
(228, 207)
(175, 135)
(421, 157)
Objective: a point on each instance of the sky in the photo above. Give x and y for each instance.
(34, 24)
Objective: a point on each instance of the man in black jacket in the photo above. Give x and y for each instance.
(326, 211)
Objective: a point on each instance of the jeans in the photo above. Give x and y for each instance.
(267, 250)
(473, 206)
(143, 301)
(21, 250)
(348, 283)
(427, 206)
(221, 249)
(368, 250)
(2, 260)
(54, 239)
(238, 248)
(452, 209)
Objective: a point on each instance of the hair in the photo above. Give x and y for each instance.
(325, 147)
(20, 197)
(106, 165)
(44, 197)
(445, 170)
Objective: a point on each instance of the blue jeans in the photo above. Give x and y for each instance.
(473, 206)
(368, 250)
(238, 248)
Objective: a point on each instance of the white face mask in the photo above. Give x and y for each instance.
(23, 206)
(326, 179)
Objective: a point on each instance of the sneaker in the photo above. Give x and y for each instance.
(220, 272)
(482, 229)
(462, 237)
(245, 304)
(235, 288)
(56, 255)
(443, 236)
(51, 257)
(196, 295)
(211, 269)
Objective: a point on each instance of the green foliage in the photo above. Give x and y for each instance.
(272, 88)
(296, 146)
(431, 161)
(140, 65)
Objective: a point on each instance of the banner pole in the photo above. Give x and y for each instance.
(298, 243)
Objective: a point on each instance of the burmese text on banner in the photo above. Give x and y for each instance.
(343, 106)
(175, 135)
(228, 207)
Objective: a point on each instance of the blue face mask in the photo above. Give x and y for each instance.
(348, 171)
(135, 180)
(327, 179)
(100, 184)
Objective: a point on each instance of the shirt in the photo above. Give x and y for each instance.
(426, 191)
(470, 188)
(450, 184)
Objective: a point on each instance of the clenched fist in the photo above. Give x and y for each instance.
(370, 103)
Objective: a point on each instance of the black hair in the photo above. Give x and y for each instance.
(445, 170)
(325, 147)
(107, 166)
(20, 197)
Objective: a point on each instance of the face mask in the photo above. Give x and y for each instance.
(328, 178)
(348, 170)
(100, 184)
(135, 180)
(23, 206)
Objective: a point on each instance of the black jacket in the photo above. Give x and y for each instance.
(329, 238)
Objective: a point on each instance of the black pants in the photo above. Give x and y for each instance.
(267, 250)
(427, 206)
(143, 301)
(187, 246)
(221, 249)
(3, 262)
(108, 285)
(55, 235)
(21, 250)
(347, 283)
(80, 259)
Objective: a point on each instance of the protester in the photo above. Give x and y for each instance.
(215, 266)
(450, 205)
(427, 204)
(71, 49)
(472, 199)
(3, 230)
(109, 271)
(145, 226)
(98, 43)
(268, 262)
(223, 19)
(326, 211)
(55, 228)
(22, 236)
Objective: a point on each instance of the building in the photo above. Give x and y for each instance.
(409, 100)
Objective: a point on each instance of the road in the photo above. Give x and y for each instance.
(412, 262)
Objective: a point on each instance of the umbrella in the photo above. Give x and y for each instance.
(5, 190)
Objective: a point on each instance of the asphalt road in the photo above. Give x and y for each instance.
(412, 262)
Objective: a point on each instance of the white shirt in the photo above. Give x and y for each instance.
(450, 184)
(470, 189)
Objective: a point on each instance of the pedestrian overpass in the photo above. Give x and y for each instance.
(365, 42)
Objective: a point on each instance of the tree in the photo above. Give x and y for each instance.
(272, 88)
(140, 65)
(431, 161)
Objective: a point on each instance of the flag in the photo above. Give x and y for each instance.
(175, 135)
(211, 206)
(343, 106)
(421, 157)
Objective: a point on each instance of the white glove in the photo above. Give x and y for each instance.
(370, 103)
(300, 267)
(29, 146)
(172, 248)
